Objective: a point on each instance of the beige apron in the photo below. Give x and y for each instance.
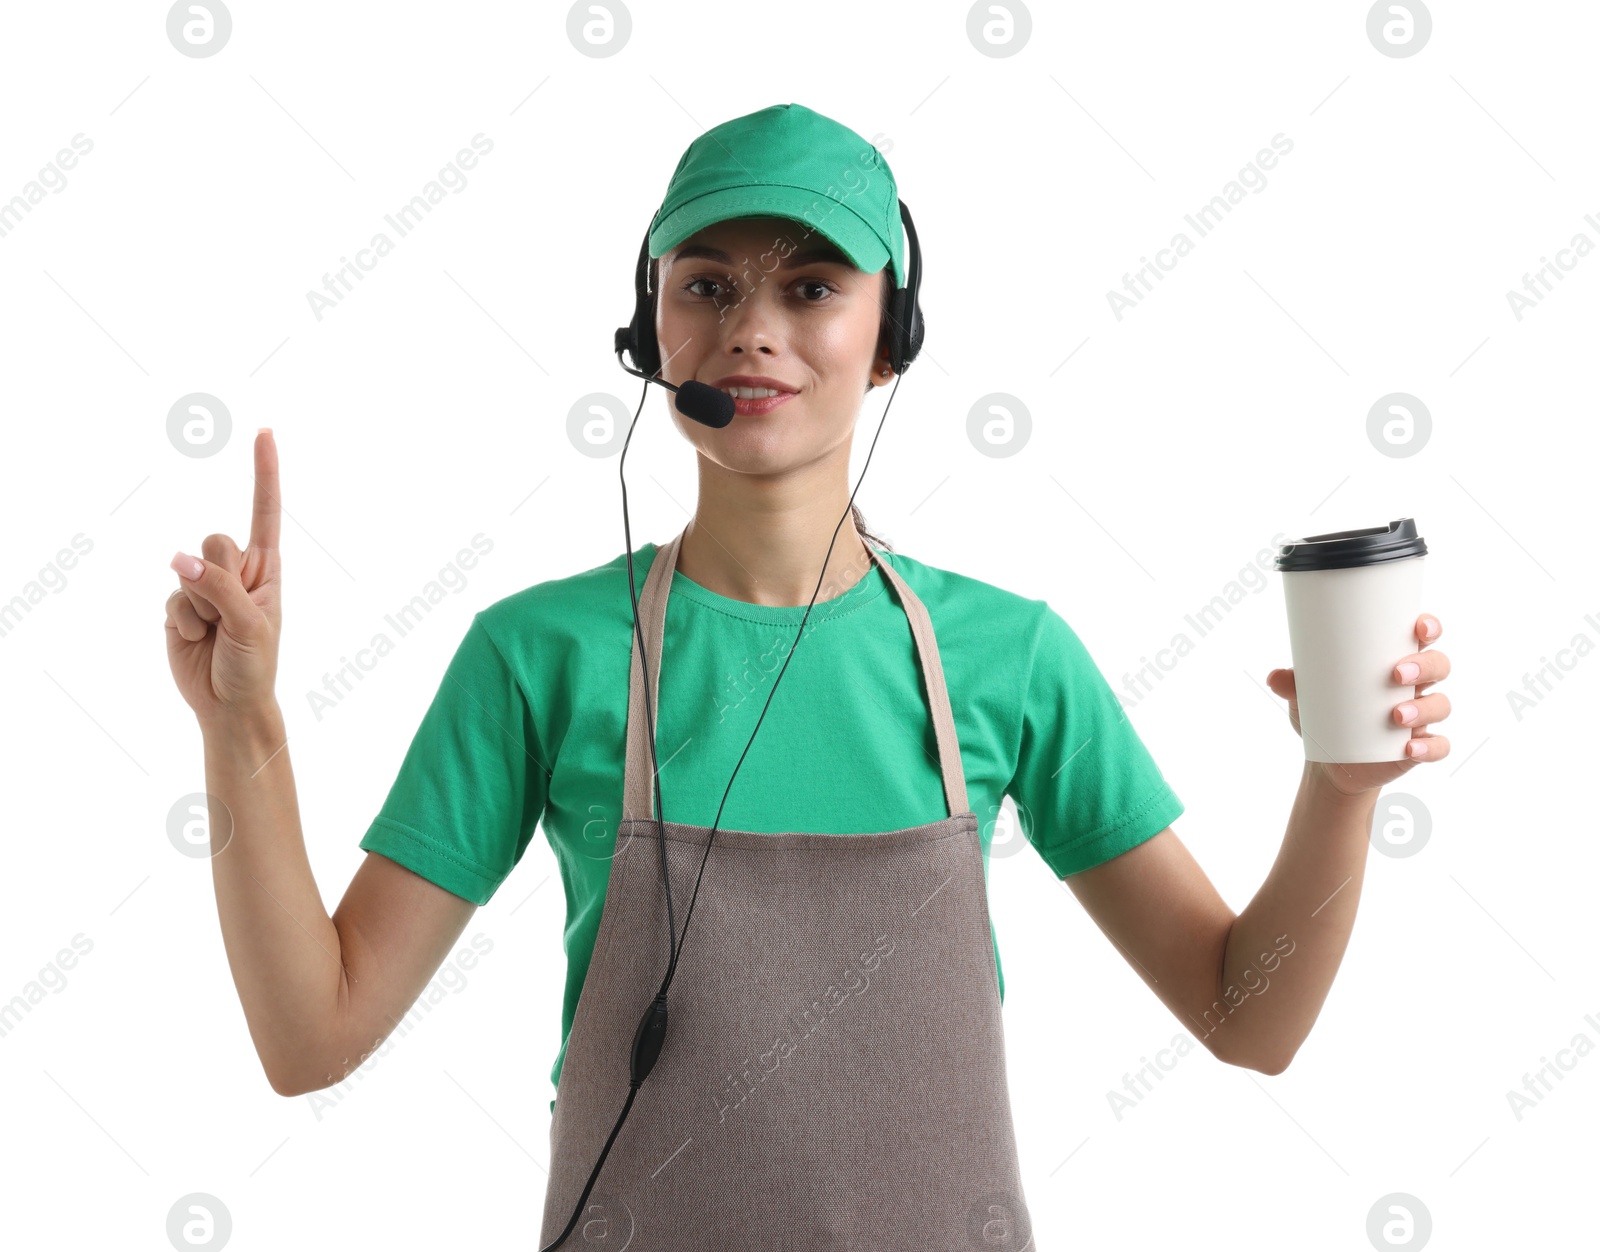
(833, 1074)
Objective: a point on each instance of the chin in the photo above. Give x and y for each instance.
(758, 446)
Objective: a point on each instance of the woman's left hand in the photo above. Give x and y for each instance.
(1421, 670)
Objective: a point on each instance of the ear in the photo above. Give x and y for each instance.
(882, 368)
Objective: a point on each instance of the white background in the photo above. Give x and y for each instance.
(431, 404)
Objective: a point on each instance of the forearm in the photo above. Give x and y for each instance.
(1284, 949)
(282, 946)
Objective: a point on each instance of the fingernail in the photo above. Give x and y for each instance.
(1417, 748)
(1408, 714)
(263, 430)
(1430, 627)
(1409, 672)
(187, 566)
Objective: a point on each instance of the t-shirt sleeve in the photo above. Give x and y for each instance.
(472, 786)
(1087, 787)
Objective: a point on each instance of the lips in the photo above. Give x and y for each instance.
(758, 405)
(755, 406)
(753, 381)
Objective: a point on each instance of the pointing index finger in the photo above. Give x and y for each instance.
(265, 514)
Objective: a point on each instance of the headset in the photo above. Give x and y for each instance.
(705, 404)
(638, 337)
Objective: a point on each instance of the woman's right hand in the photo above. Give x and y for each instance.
(223, 627)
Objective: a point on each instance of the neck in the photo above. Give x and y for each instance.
(763, 541)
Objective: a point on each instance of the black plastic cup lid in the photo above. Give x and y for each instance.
(1341, 549)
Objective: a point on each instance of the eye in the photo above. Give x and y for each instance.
(693, 283)
(820, 292)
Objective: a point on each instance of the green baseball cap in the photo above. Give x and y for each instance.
(788, 161)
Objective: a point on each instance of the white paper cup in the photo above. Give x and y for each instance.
(1353, 598)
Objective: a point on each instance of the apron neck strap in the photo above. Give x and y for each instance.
(638, 800)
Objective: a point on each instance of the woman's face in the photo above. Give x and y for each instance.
(766, 297)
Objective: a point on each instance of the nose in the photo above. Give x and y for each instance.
(753, 323)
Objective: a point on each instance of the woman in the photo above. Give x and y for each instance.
(812, 903)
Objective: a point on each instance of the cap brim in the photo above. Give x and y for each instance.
(835, 220)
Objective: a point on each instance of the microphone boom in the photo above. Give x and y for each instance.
(696, 400)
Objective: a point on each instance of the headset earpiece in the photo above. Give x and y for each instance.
(905, 309)
(638, 337)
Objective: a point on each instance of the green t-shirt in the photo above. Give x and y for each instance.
(528, 727)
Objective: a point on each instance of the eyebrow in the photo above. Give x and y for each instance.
(807, 256)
